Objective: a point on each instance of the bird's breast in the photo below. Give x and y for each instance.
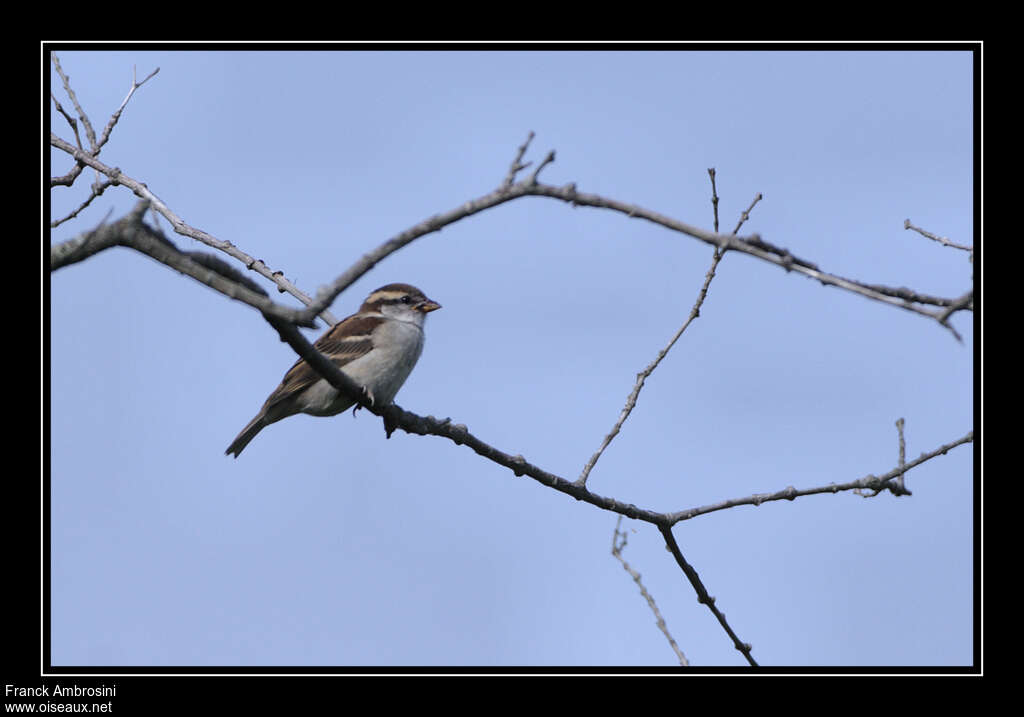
(397, 348)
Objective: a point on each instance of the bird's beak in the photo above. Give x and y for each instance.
(427, 306)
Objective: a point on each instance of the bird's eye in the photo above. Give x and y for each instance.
(406, 299)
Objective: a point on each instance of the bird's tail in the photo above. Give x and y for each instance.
(248, 433)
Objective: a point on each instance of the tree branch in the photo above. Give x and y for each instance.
(702, 594)
(752, 245)
(869, 482)
(618, 545)
(642, 377)
(631, 403)
(303, 318)
(935, 237)
(396, 417)
(132, 232)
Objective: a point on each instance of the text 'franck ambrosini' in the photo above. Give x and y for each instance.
(60, 691)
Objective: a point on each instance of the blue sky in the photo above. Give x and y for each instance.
(325, 544)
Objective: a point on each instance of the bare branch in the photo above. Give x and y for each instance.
(66, 81)
(618, 544)
(869, 482)
(642, 377)
(303, 317)
(702, 594)
(397, 417)
(746, 212)
(517, 163)
(934, 237)
(545, 162)
(94, 144)
(117, 114)
(895, 486)
(714, 197)
(898, 488)
(96, 190)
(964, 302)
(631, 403)
(72, 122)
(131, 231)
(752, 245)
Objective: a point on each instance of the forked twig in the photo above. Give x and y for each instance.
(618, 544)
(642, 377)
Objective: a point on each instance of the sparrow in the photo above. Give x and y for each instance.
(376, 347)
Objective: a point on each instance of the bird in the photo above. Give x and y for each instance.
(377, 347)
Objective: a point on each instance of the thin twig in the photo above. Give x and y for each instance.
(143, 192)
(896, 485)
(545, 162)
(618, 544)
(714, 197)
(95, 145)
(517, 163)
(95, 191)
(68, 118)
(131, 231)
(642, 377)
(66, 81)
(869, 482)
(746, 212)
(117, 114)
(935, 237)
(899, 488)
